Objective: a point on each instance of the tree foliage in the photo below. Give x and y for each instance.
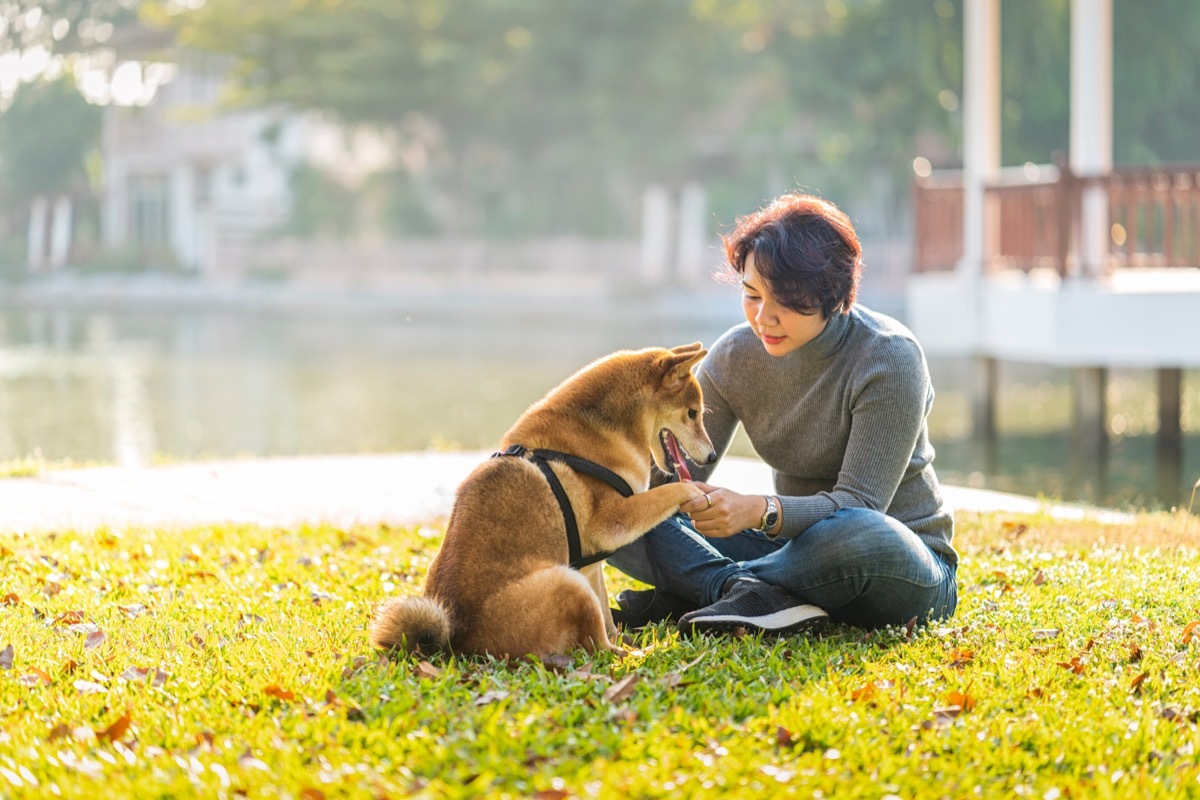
(45, 137)
(60, 26)
(514, 116)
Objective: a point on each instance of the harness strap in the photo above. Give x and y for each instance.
(542, 459)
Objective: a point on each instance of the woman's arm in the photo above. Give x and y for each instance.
(888, 405)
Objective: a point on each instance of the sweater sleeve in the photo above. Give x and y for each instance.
(888, 402)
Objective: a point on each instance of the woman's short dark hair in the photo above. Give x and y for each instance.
(806, 251)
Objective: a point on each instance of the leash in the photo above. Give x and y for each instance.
(543, 458)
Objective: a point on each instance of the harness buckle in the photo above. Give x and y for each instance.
(513, 450)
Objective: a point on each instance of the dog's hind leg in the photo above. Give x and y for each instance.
(550, 610)
(595, 577)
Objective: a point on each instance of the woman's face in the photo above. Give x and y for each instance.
(779, 328)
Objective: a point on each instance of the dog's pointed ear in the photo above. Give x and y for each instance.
(676, 365)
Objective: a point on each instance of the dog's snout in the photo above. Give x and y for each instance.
(712, 458)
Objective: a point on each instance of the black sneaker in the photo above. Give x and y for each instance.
(637, 609)
(754, 606)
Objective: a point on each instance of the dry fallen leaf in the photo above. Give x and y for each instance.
(70, 618)
(247, 761)
(355, 667)
(6, 657)
(34, 677)
(1076, 665)
(1135, 685)
(558, 663)
(89, 687)
(427, 670)
(960, 657)
(133, 611)
(278, 692)
(944, 717)
(864, 693)
(620, 691)
(784, 738)
(960, 699)
(10, 599)
(673, 680)
(1189, 631)
(493, 696)
(114, 732)
(95, 639)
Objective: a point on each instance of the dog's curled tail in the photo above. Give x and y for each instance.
(411, 624)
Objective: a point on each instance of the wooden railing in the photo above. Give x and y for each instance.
(1033, 218)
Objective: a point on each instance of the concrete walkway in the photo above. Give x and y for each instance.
(401, 489)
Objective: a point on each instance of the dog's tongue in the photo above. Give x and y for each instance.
(677, 456)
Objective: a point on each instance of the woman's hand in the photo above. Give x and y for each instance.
(724, 512)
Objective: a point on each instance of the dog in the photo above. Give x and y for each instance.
(501, 583)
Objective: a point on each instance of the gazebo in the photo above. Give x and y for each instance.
(1075, 264)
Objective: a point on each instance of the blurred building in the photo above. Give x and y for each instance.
(183, 171)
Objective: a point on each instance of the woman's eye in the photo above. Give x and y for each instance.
(691, 413)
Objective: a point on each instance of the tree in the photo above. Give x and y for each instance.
(582, 97)
(60, 26)
(46, 135)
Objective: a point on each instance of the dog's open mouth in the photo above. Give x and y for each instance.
(674, 454)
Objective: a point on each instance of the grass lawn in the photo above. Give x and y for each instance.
(234, 662)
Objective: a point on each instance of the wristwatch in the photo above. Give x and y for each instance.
(770, 516)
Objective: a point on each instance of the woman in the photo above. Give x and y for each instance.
(834, 398)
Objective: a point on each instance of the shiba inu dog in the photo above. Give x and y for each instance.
(501, 583)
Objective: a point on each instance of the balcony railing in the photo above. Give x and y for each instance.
(1033, 213)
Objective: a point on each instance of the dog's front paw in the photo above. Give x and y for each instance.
(690, 492)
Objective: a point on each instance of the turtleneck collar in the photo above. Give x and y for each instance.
(828, 341)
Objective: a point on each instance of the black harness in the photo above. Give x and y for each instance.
(543, 458)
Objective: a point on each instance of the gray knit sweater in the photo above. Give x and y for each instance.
(841, 421)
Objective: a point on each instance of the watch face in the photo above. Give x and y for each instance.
(772, 515)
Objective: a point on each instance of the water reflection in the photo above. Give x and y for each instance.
(134, 387)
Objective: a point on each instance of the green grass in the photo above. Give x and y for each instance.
(233, 661)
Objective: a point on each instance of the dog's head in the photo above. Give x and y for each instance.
(679, 409)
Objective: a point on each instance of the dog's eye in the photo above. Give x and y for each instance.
(691, 413)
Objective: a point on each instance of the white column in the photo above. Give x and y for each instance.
(693, 208)
(36, 237)
(115, 209)
(182, 208)
(60, 232)
(656, 233)
(981, 164)
(1091, 124)
(981, 126)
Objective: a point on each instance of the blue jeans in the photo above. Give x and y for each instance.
(863, 567)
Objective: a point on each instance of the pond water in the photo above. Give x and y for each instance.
(135, 388)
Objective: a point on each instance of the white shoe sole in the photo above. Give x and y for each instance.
(789, 620)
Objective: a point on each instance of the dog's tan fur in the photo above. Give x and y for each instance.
(500, 583)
